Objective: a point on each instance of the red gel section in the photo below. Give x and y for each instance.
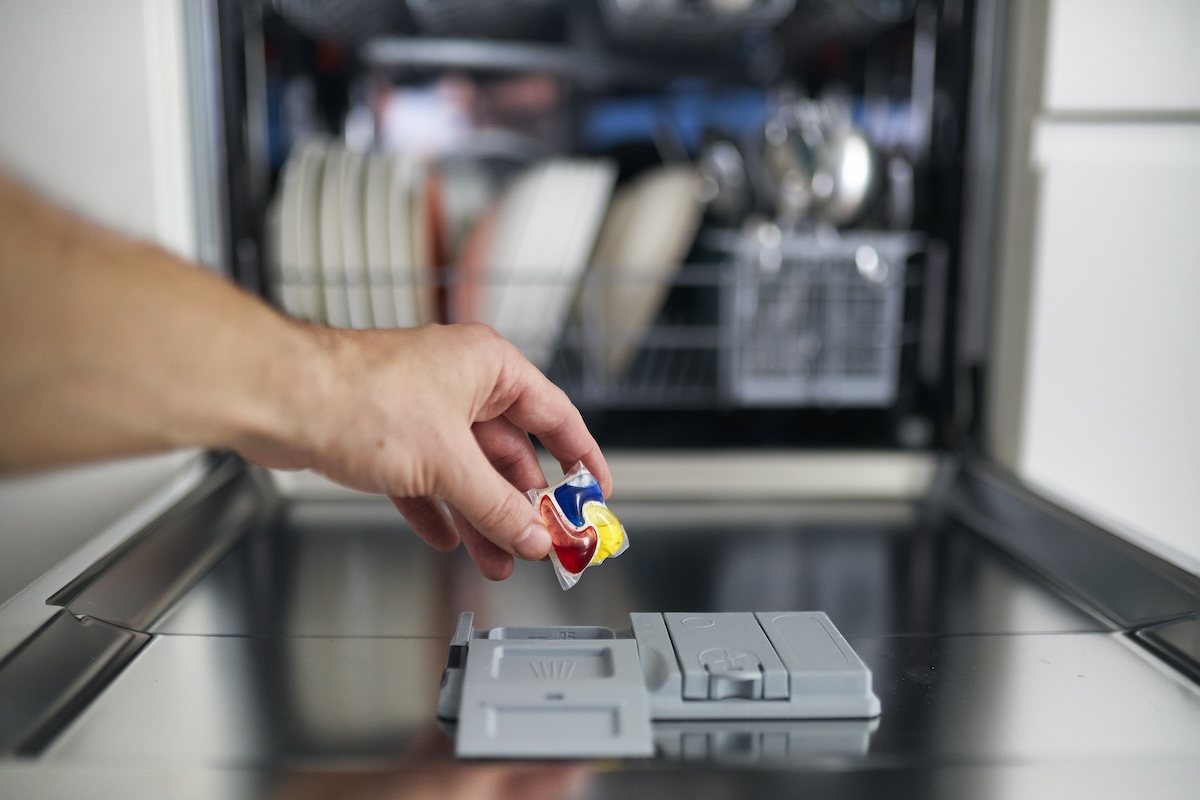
(574, 548)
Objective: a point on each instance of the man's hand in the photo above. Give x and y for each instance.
(436, 412)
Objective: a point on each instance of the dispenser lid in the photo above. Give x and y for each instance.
(766, 665)
(553, 698)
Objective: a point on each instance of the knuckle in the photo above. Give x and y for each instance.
(566, 420)
(500, 518)
(423, 480)
(506, 460)
(480, 333)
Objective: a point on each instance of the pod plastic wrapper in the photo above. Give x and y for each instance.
(583, 531)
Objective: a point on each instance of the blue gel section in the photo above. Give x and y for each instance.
(571, 499)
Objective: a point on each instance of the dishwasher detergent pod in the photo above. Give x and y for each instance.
(582, 528)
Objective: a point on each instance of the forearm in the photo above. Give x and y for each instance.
(111, 347)
(114, 347)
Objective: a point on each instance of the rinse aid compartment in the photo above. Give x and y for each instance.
(587, 692)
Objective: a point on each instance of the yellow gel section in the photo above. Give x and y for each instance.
(609, 528)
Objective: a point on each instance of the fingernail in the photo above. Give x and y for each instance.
(534, 543)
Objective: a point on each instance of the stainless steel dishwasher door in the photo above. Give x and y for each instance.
(306, 663)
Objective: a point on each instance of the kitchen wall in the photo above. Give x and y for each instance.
(93, 97)
(1096, 383)
(93, 112)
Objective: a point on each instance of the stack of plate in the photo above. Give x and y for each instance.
(356, 241)
(348, 237)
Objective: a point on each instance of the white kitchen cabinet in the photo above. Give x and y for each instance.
(1100, 289)
(1118, 56)
(1113, 378)
(112, 142)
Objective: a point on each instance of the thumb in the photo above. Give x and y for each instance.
(492, 505)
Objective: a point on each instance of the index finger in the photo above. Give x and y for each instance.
(544, 410)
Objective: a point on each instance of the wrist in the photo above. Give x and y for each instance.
(286, 399)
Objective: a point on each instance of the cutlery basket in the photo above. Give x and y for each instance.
(815, 320)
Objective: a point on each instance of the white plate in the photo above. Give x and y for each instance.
(283, 285)
(582, 203)
(504, 253)
(281, 238)
(399, 215)
(649, 228)
(555, 219)
(423, 271)
(333, 269)
(299, 236)
(379, 270)
(354, 241)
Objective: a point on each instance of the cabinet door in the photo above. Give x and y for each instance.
(1113, 373)
(1116, 56)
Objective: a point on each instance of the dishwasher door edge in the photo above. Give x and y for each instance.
(30, 610)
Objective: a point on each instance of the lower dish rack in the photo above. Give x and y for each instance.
(757, 318)
(816, 319)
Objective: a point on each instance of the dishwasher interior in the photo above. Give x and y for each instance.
(712, 224)
(780, 382)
